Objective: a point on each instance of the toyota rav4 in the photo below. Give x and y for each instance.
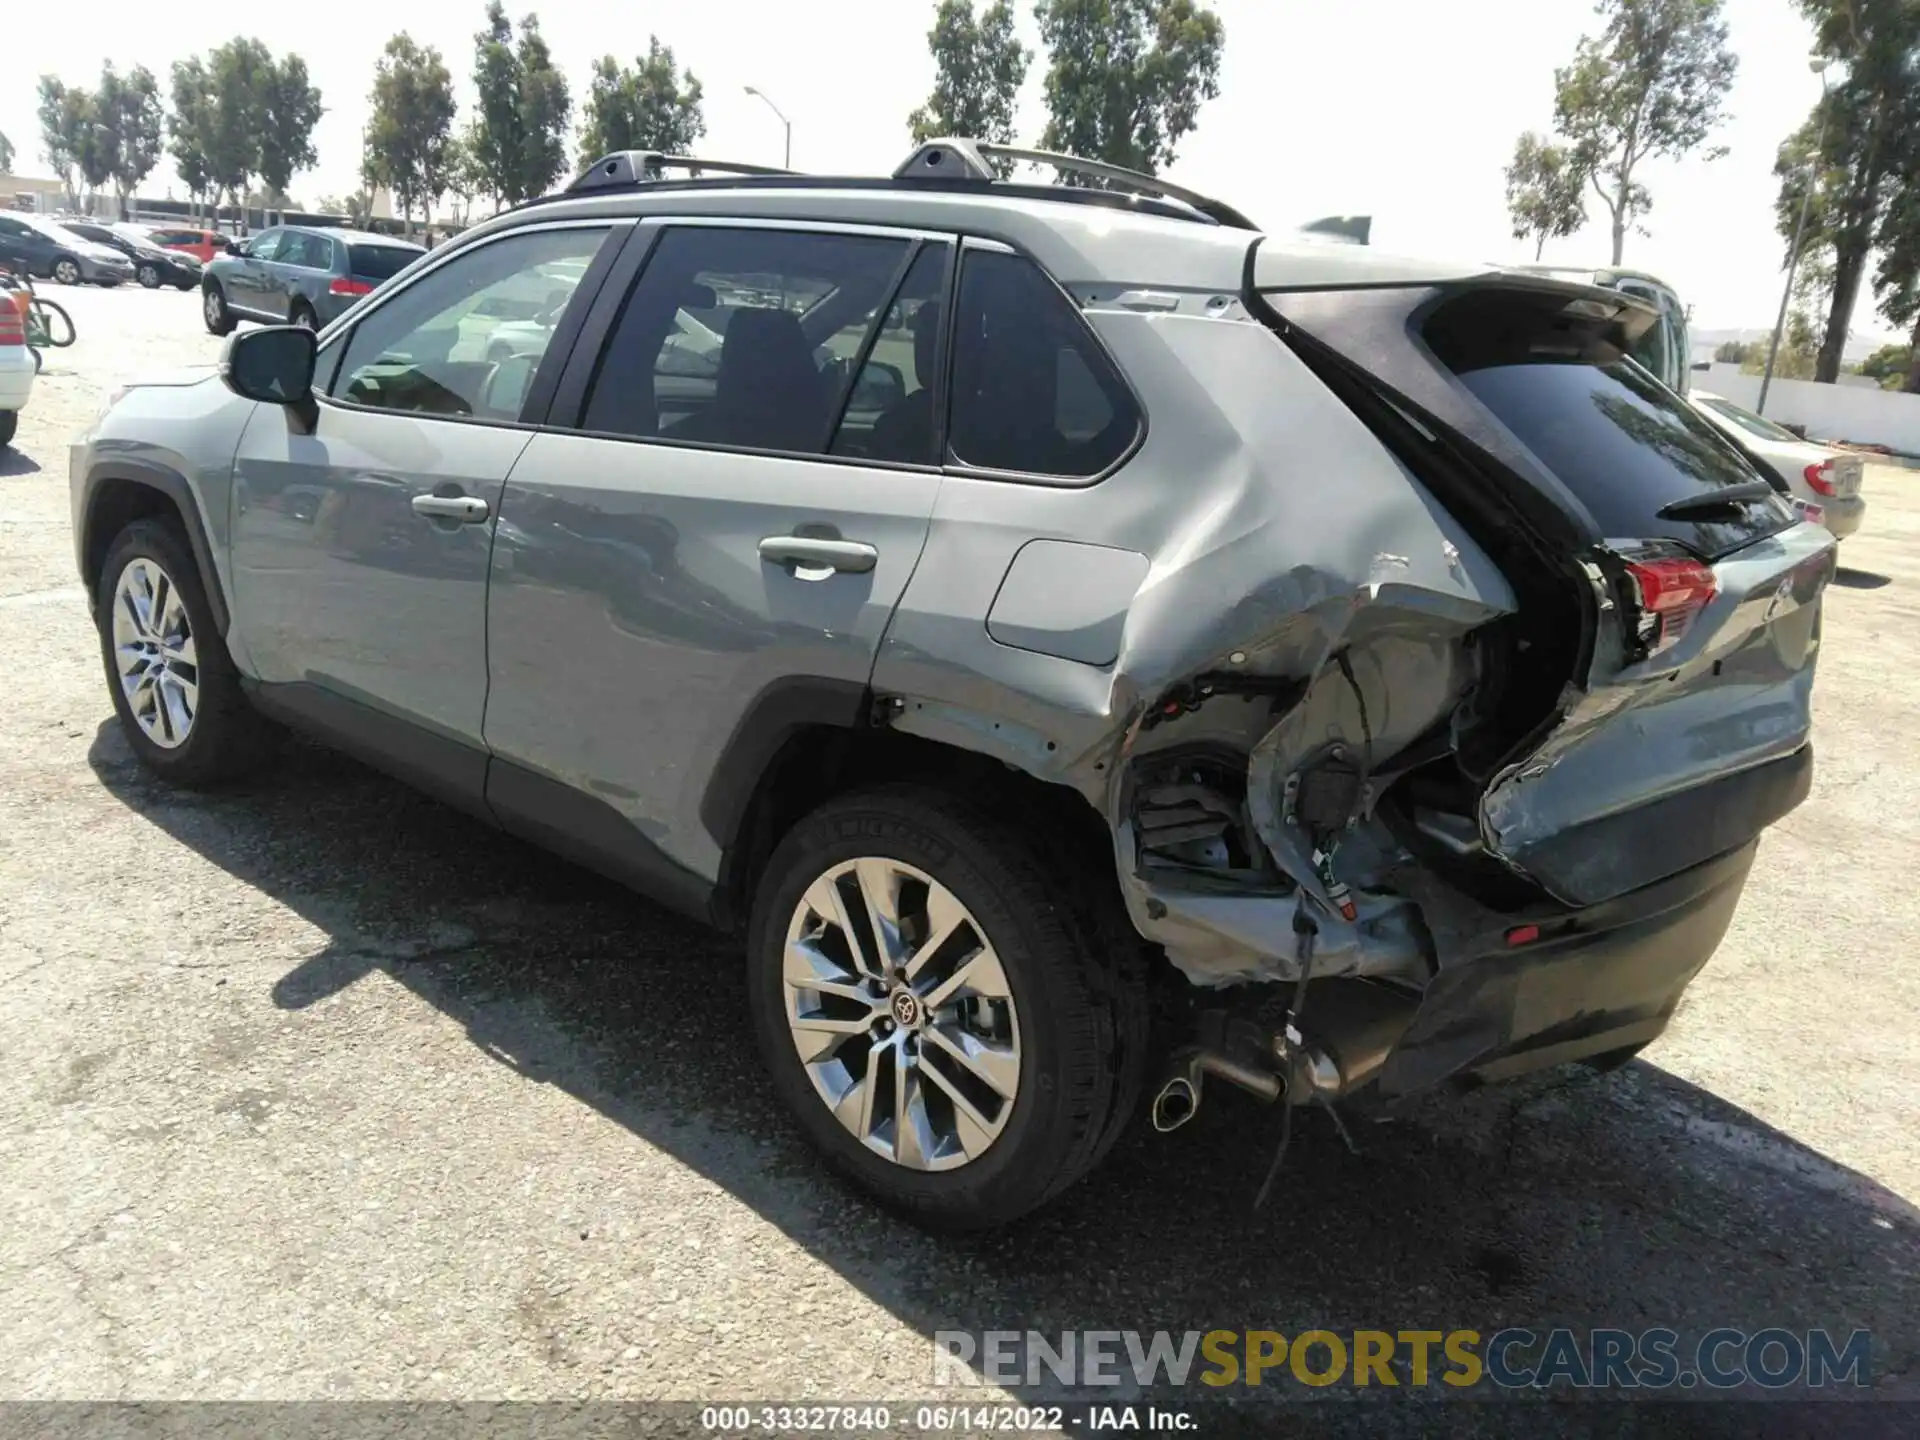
(982, 595)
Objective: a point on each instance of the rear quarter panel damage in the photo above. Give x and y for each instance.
(1276, 532)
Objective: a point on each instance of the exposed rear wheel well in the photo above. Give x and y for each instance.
(818, 762)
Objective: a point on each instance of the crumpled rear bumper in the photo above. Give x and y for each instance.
(1597, 980)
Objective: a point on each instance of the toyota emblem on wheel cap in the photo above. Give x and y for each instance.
(906, 1008)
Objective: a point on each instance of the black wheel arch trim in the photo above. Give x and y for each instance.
(173, 485)
(785, 707)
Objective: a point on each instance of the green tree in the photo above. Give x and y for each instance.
(409, 133)
(524, 108)
(188, 126)
(653, 106)
(1546, 192)
(1650, 85)
(466, 181)
(64, 116)
(131, 126)
(1736, 352)
(238, 74)
(93, 143)
(1126, 78)
(1855, 149)
(1799, 355)
(979, 67)
(6, 154)
(290, 108)
(1889, 366)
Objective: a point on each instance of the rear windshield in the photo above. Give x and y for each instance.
(1753, 424)
(1621, 441)
(380, 262)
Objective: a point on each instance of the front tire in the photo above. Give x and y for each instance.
(174, 686)
(149, 277)
(66, 272)
(302, 315)
(213, 309)
(954, 1017)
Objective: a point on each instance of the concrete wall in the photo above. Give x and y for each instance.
(1830, 412)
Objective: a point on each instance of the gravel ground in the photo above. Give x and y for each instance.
(316, 1090)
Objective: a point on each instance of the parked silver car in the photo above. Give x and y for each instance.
(1046, 593)
(1823, 482)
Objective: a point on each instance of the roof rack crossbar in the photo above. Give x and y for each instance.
(632, 167)
(953, 155)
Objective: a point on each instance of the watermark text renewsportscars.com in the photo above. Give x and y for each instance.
(1658, 1358)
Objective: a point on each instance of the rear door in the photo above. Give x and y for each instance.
(1688, 731)
(717, 538)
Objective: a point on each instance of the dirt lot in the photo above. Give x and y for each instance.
(316, 1090)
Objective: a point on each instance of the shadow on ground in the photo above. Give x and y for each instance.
(1634, 1200)
(17, 462)
(1851, 579)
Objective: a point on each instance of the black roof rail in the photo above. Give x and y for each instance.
(635, 167)
(951, 157)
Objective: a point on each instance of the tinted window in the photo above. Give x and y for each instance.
(379, 262)
(440, 348)
(743, 337)
(889, 413)
(1032, 390)
(1623, 443)
(312, 252)
(1757, 426)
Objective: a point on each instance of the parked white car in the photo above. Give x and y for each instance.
(1825, 483)
(16, 363)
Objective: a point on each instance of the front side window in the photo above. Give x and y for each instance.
(1032, 390)
(266, 245)
(446, 345)
(743, 337)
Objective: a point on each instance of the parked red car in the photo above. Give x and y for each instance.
(204, 243)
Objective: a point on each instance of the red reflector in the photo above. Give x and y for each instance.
(1523, 934)
(1672, 591)
(347, 285)
(1817, 478)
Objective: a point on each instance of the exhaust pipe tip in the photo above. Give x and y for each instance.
(1176, 1104)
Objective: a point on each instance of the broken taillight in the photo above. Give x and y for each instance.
(1820, 477)
(1672, 590)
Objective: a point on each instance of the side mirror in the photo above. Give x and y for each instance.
(236, 247)
(273, 365)
(881, 387)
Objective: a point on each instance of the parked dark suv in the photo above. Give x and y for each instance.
(992, 600)
(298, 276)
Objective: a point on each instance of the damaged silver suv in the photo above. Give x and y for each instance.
(988, 595)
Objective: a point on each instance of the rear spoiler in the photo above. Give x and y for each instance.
(1346, 229)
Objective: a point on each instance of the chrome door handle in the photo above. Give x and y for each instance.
(468, 509)
(811, 558)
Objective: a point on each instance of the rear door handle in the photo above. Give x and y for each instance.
(468, 509)
(811, 558)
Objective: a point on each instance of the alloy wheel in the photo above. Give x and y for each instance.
(66, 272)
(154, 653)
(213, 307)
(901, 1014)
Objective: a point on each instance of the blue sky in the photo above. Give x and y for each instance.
(1403, 110)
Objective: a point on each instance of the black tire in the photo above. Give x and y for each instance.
(213, 310)
(149, 277)
(65, 271)
(302, 315)
(183, 284)
(1076, 969)
(227, 736)
(9, 423)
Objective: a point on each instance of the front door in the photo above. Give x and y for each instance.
(718, 536)
(360, 550)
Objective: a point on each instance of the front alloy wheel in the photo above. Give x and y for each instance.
(66, 272)
(153, 645)
(901, 1014)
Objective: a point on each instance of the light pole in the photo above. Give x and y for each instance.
(786, 162)
(1817, 64)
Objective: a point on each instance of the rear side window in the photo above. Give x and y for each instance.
(1622, 442)
(1032, 390)
(744, 337)
(378, 262)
